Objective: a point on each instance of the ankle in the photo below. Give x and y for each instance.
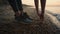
(18, 13)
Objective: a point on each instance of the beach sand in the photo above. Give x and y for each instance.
(9, 26)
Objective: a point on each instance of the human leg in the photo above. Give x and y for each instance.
(17, 7)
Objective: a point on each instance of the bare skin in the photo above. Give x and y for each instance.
(18, 13)
(43, 3)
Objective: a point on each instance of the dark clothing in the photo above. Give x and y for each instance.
(16, 5)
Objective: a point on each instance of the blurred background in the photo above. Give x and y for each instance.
(51, 5)
(51, 23)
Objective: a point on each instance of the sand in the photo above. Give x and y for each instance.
(9, 26)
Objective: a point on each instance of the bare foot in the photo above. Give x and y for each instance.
(41, 15)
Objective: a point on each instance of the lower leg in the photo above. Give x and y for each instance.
(36, 4)
(17, 7)
(13, 4)
(20, 7)
(43, 3)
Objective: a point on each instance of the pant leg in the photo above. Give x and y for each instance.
(19, 3)
(13, 5)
